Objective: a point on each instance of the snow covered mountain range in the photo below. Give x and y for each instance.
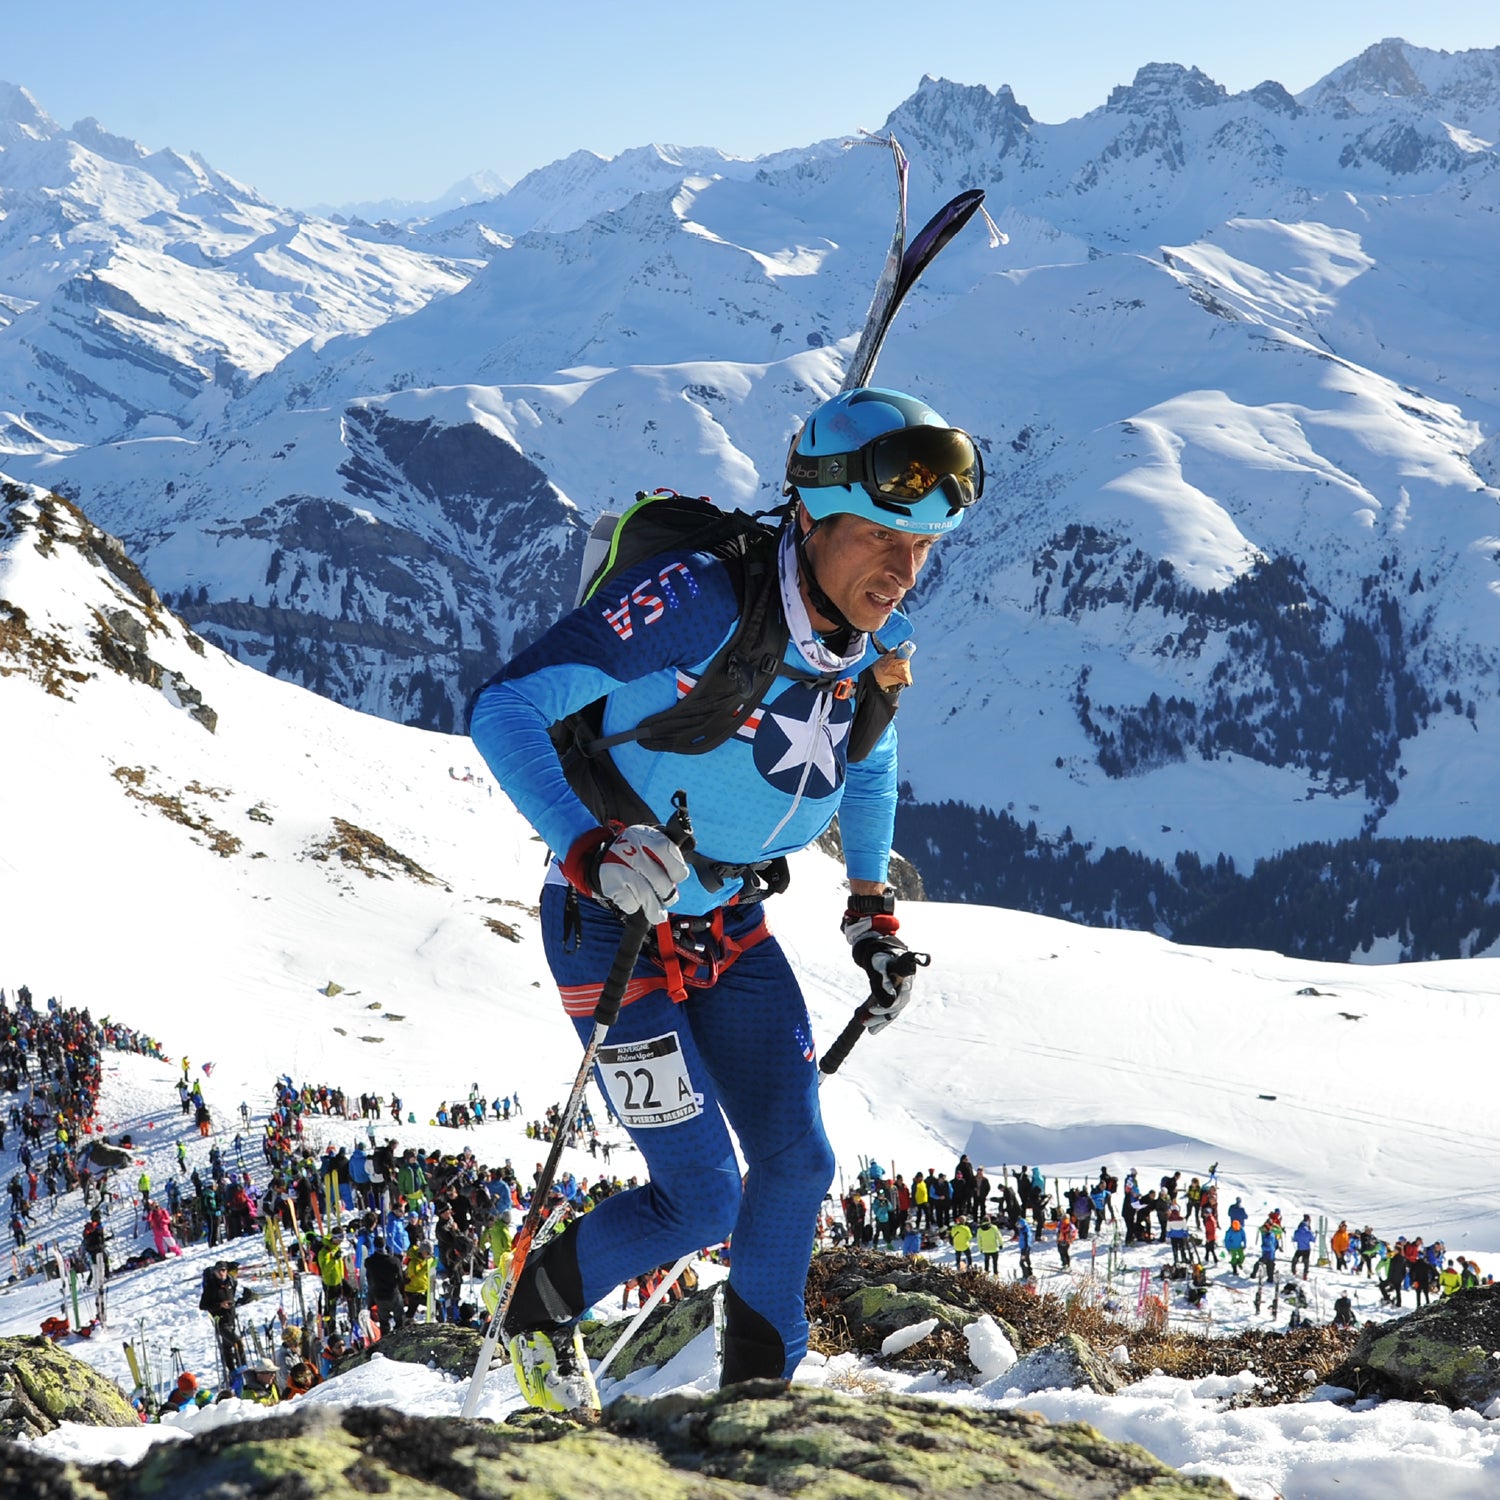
(196, 850)
(477, 187)
(1236, 371)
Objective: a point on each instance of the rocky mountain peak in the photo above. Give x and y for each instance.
(1384, 68)
(1464, 87)
(942, 94)
(1158, 84)
(1274, 97)
(965, 122)
(91, 135)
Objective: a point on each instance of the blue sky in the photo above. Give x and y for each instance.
(334, 102)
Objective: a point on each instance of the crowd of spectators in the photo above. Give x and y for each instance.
(397, 1232)
(969, 1209)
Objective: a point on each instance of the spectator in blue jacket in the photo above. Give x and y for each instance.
(1024, 1239)
(1235, 1244)
(1270, 1242)
(1303, 1237)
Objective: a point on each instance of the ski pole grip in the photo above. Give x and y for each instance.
(637, 928)
(678, 828)
(833, 1058)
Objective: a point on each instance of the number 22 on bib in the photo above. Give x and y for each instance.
(647, 1082)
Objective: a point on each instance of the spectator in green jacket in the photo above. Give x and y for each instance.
(962, 1237)
(989, 1244)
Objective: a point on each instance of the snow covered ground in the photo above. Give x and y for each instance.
(1359, 1093)
(1316, 1448)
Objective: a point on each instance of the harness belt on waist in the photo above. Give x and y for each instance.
(692, 952)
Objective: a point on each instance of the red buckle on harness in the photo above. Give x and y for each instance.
(688, 963)
(666, 948)
(844, 688)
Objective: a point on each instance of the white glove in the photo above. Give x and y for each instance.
(639, 870)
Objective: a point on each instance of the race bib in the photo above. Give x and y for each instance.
(648, 1084)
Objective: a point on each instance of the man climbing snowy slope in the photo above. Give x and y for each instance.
(714, 1026)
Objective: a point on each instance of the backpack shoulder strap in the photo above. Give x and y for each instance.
(734, 683)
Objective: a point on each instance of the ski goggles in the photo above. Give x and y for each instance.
(901, 469)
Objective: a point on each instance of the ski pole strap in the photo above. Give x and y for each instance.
(679, 829)
(904, 965)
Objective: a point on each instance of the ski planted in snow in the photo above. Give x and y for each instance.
(133, 1360)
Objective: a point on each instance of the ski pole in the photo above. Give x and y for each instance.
(903, 966)
(662, 1288)
(679, 829)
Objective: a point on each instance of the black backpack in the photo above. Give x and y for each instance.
(740, 675)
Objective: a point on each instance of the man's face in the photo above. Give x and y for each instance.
(865, 568)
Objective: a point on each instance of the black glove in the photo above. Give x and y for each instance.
(870, 927)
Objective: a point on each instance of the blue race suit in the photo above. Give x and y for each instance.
(740, 1046)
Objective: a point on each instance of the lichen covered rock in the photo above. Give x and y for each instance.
(670, 1327)
(885, 1309)
(1448, 1352)
(861, 1297)
(42, 1385)
(1066, 1363)
(439, 1346)
(759, 1438)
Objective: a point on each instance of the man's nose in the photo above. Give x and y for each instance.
(905, 563)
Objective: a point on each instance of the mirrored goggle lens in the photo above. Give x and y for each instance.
(910, 464)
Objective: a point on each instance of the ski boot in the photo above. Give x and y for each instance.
(552, 1369)
(541, 1329)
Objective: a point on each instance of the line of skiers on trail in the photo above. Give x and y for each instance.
(55, 1055)
(885, 1210)
(327, 1099)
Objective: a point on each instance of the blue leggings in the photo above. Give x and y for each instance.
(739, 1051)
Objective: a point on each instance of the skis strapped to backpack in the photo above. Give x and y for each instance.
(904, 264)
(746, 666)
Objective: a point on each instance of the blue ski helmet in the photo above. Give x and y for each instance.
(886, 457)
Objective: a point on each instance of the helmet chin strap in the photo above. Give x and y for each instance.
(843, 631)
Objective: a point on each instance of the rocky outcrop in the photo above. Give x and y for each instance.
(1448, 1352)
(670, 1327)
(756, 1439)
(439, 1346)
(121, 637)
(862, 1298)
(42, 1385)
(1066, 1363)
